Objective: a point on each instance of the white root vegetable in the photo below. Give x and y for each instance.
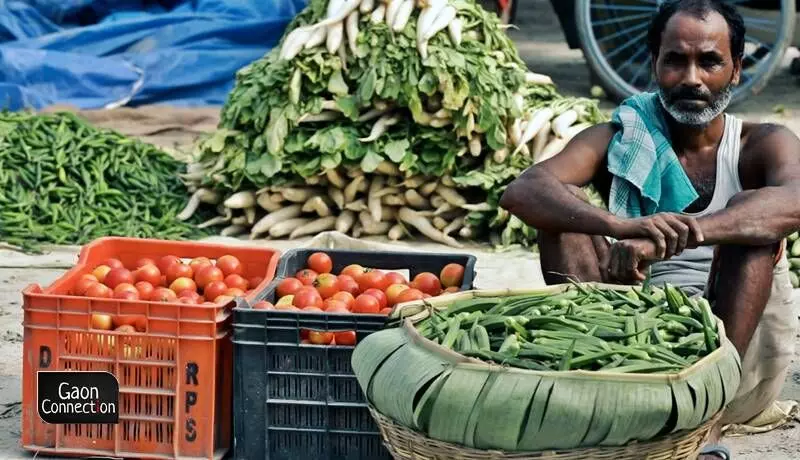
(532, 78)
(535, 124)
(239, 220)
(396, 232)
(314, 180)
(341, 13)
(443, 19)
(437, 201)
(500, 156)
(287, 226)
(357, 205)
(456, 224)
(315, 226)
(388, 169)
(335, 36)
(451, 196)
(574, 130)
(515, 132)
(250, 215)
(475, 146)
(357, 230)
(403, 15)
(337, 196)
(563, 122)
(345, 221)
(215, 221)
(317, 38)
(443, 208)
(373, 200)
(414, 182)
(371, 114)
(388, 214)
(372, 227)
(427, 16)
(335, 178)
(417, 201)
(352, 188)
(466, 232)
(318, 205)
(233, 230)
(480, 207)
(342, 52)
(266, 222)
(333, 7)
(363, 186)
(422, 47)
(352, 31)
(454, 29)
(439, 223)
(387, 191)
(540, 140)
(412, 218)
(265, 201)
(377, 15)
(366, 6)
(441, 122)
(354, 172)
(552, 149)
(277, 198)
(392, 7)
(294, 42)
(241, 200)
(394, 200)
(319, 117)
(519, 102)
(428, 188)
(298, 195)
(380, 127)
(447, 181)
(202, 195)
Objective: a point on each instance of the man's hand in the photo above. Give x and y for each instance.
(671, 233)
(627, 259)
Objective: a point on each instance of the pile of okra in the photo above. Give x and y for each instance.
(639, 331)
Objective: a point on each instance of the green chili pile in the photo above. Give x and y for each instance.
(641, 331)
(64, 181)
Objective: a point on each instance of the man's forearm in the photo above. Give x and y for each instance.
(541, 201)
(754, 218)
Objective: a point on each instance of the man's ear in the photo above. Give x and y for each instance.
(737, 71)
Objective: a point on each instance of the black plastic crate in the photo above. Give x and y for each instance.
(296, 401)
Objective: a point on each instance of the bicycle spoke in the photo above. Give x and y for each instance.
(633, 58)
(619, 19)
(630, 43)
(623, 32)
(651, 9)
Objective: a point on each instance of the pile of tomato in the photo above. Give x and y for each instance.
(168, 279)
(355, 289)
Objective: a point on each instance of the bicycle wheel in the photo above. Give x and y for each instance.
(613, 35)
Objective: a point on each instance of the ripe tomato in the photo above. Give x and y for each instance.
(207, 274)
(165, 262)
(353, 270)
(306, 276)
(214, 289)
(320, 338)
(263, 305)
(183, 284)
(385, 311)
(113, 263)
(284, 302)
(327, 285)
(149, 273)
(366, 304)
(100, 272)
(126, 329)
(198, 263)
(101, 321)
(396, 278)
(83, 284)
(333, 304)
(127, 295)
(230, 265)
(393, 291)
(378, 294)
(409, 295)
(451, 290)
(428, 283)
(253, 282)
(346, 297)
(346, 283)
(190, 294)
(288, 286)
(236, 281)
(176, 271)
(452, 275)
(145, 289)
(372, 280)
(320, 262)
(234, 292)
(223, 299)
(307, 296)
(144, 261)
(345, 337)
(312, 310)
(122, 287)
(99, 290)
(162, 294)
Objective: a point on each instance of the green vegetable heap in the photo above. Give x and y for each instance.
(64, 181)
(357, 85)
(642, 331)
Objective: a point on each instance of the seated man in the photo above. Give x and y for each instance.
(696, 196)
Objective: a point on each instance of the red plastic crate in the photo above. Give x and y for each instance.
(175, 379)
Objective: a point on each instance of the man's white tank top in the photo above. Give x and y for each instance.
(691, 268)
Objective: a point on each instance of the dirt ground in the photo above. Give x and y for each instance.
(542, 45)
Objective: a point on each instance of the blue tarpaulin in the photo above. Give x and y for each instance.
(102, 53)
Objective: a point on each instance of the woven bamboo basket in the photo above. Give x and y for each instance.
(405, 444)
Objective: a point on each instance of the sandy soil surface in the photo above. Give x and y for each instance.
(542, 44)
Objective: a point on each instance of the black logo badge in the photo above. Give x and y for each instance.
(77, 397)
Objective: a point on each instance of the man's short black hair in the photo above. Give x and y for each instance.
(698, 9)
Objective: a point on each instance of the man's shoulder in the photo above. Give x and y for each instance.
(767, 138)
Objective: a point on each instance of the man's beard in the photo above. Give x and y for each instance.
(716, 104)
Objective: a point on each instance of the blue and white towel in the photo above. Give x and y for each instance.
(647, 175)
